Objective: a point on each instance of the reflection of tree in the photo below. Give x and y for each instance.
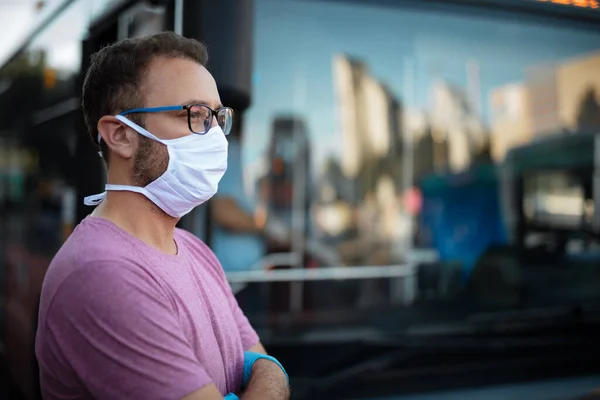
(333, 168)
(25, 64)
(484, 156)
(455, 120)
(588, 116)
(430, 155)
(21, 83)
(344, 189)
(394, 167)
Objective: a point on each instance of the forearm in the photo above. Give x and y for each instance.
(229, 215)
(267, 382)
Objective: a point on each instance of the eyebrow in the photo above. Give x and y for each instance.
(196, 101)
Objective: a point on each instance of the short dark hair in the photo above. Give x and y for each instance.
(114, 81)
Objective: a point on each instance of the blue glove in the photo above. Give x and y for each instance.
(231, 396)
(249, 360)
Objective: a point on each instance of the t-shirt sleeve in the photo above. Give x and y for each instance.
(247, 332)
(118, 331)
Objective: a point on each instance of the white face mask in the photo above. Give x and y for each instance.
(196, 165)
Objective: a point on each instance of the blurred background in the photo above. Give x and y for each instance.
(424, 173)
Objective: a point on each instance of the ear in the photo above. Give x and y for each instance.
(120, 139)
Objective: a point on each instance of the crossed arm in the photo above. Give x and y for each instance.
(267, 382)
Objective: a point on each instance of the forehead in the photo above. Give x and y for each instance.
(173, 81)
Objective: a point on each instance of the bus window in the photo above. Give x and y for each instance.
(378, 141)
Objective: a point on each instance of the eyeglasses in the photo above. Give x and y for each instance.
(200, 116)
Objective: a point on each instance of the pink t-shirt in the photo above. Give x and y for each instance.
(122, 320)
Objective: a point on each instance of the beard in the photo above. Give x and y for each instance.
(150, 161)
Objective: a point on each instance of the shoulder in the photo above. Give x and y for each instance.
(94, 256)
(98, 270)
(98, 300)
(113, 317)
(94, 239)
(101, 285)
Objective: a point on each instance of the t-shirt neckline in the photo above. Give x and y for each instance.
(137, 241)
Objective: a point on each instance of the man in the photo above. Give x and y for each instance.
(131, 307)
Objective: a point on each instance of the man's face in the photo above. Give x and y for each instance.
(170, 81)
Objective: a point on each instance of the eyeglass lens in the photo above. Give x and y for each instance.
(200, 118)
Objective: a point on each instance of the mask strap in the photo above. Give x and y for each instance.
(133, 126)
(94, 199)
(137, 128)
(125, 188)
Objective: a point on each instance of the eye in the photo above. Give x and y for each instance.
(199, 112)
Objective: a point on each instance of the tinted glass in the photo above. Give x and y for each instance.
(381, 139)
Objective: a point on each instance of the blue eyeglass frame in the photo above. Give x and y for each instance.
(213, 113)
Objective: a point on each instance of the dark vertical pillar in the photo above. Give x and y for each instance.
(521, 225)
(89, 176)
(226, 27)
